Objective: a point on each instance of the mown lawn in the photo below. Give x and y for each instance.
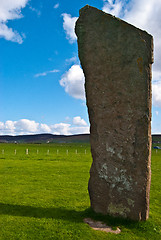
(43, 195)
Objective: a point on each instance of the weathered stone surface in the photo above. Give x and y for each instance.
(116, 58)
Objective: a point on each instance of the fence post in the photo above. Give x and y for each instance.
(27, 151)
(76, 151)
(57, 151)
(67, 151)
(48, 152)
(37, 151)
(2, 151)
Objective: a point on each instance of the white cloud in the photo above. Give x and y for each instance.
(79, 121)
(56, 5)
(9, 126)
(79, 130)
(156, 89)
(69, 25)
(73, 82)
(26, 126)
(10, 10)
(71, 60)
(67, 120)
(1, 125)
(69, 129)
(61, 129)
(45, 128)
(157, 113)
(38, 12)
(156, 76)
(9, 34)
(112, 7)
(45, 73)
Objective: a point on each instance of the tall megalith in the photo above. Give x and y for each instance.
(116, 58)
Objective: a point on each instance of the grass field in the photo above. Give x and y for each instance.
(43, 195)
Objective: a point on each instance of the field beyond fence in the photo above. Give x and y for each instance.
(44, 195)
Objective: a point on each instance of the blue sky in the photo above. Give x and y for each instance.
(41, 82)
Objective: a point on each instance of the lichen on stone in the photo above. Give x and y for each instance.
(118, 209)
(116, 178)
(130, 202)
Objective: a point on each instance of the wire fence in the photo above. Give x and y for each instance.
(27, 151)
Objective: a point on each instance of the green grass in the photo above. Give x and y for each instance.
(44, 196)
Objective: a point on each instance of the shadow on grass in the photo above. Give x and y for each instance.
(72, 216)
(58, 213)
(40, 212)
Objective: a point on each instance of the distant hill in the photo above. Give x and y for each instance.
(45, 138)
(156, 138)
(50, 138)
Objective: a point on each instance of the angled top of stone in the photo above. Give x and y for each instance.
(92, 22)
(88, 11)
(88, 8)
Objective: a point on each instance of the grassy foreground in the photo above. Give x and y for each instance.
(43, 195)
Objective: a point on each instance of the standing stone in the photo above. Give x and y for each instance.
(116, 58)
